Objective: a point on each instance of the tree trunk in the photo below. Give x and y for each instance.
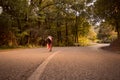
(118, 29)
(76, 30)
(58, 34)
(66, 40)
(20, 30)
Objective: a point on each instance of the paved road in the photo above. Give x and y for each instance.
(20, 64)
(64, 63)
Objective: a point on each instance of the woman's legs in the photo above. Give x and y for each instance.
(49, 47)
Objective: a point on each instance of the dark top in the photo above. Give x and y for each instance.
(48, 41)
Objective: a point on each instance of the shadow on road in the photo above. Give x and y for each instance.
(111, 49)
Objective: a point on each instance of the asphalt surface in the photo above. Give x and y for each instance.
(67, 63)
(20, 64)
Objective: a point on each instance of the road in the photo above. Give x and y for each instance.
(63, 63)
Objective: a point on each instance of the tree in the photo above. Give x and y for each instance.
(5, 29)
(110, 11)
(31, 21)
(106, 33)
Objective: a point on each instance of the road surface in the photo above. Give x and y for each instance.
(63, 63)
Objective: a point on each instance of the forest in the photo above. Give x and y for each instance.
(70, 22)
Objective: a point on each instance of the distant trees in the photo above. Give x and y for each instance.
(106, 33)
(110, 11)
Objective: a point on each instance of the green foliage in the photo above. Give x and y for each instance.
(30, 23)
(110, 11)
(83, 41)
(7, 36)
(106, 33)
(84, 29)
(92, 35)
(5, 21)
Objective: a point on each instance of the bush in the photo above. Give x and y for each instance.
(83, 41)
